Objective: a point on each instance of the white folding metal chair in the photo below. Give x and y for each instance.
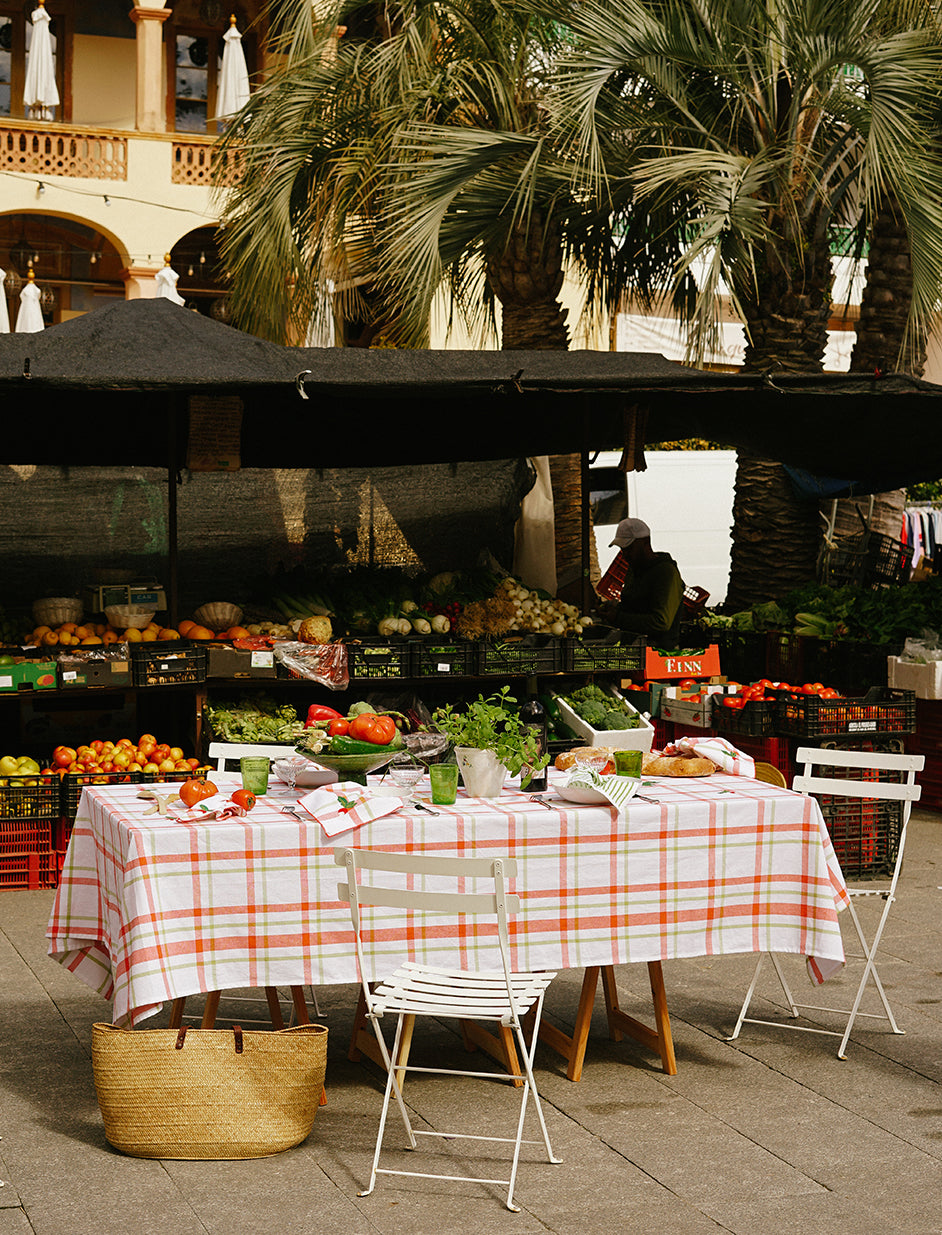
(884, 804)
(408, 882)
(220, 752)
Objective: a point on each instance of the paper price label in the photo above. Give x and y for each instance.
(262, 660)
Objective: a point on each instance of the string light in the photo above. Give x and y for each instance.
(40, 188)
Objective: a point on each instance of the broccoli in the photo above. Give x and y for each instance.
(590, 693)
(592, 713)
(617, 719)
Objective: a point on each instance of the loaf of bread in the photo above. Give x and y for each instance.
(677, 765)
(569, 758)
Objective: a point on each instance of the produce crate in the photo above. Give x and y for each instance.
(61, 832)
(379, 658)
(602, 651)
(865, 832)
(174, 778)
(683, 663)
(24, 674)
(882, 710)
(224, 661)
(21, 800)
(437, 658)
(626, 739)
(25, 836)
(74, 782)
(167, 664)
(77, 669)
(696, 713)
(777, 751)
(867, 560)
(29, 870)
(852, 666)
(523, 654)
(754, 719)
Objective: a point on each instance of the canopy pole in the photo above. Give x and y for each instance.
(173, 481)
(586, 512)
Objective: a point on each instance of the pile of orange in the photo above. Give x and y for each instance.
(93, 634)
(193, 630)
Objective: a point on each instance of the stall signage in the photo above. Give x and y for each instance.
(215, 435)
(692, 663)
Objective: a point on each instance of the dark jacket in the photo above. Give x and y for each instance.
(651, 602)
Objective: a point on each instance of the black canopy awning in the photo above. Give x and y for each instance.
(113, 387)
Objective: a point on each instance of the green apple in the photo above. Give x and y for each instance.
(27, 766)
(8, 766)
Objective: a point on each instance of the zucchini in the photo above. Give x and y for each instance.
(342, 745)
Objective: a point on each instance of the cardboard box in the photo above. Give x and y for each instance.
(696, 663)
(24, 674)
(925, 680)
(229, 662)
(84, 671)
(624, 739)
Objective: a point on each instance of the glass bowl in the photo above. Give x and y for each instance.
(350, 767)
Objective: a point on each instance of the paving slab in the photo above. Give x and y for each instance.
(769, 1133)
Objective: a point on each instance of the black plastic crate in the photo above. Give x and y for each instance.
(434, 657)
(157, 778)
(865, 832)
(524, 654)
(29, 797)
(866, 560)
(603, 651)
(883, 710)
(167, 664)
(74, 782)
(379, 658)
(754, 719)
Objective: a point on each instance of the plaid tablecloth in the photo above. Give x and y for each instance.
(151, 909)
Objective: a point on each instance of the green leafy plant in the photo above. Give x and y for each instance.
(493, 723)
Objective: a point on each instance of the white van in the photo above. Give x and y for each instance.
(685, 497)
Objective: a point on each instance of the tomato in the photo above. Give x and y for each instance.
(369, 727)
(338, 727)
(830, 693)
(193, 791)
(688, 684)
(734, 701)
(244, 798)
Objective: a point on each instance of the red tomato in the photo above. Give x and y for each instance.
(369, 727)
(734, 701)
(688, 684)
(193, 791)
(338, 727)
(244, 798)
(830, 693)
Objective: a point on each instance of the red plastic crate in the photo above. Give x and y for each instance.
(21, 836)
(29, 870)
(777, 751)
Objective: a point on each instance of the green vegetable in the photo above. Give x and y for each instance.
(352, 746)
(617, 719)
(358, 709)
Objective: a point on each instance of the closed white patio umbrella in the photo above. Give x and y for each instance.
(233, 91)
(167, 282)
(40, 93)
(4, 315)
(29, 320)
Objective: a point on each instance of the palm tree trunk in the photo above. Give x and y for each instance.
(526, 277)
(776, 534)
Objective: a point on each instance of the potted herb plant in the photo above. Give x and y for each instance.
(490, 741)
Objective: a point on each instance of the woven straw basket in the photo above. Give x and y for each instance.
(204, 1098)
(218, 615)
(54, 610)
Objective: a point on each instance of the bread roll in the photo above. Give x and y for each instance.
(678, 765)
(569, 758)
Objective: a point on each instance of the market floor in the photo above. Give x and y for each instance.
(771, 1134)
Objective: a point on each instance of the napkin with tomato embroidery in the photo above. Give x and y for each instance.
(338, 808)
(216, 807)
(726, 756)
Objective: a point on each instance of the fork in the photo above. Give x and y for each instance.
(289, 810)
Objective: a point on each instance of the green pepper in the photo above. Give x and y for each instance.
(352, 746)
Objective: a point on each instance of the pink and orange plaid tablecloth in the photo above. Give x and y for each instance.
(149, 909)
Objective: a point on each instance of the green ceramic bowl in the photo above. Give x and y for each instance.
(350, 767)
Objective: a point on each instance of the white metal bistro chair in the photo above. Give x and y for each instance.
(883, 805)
(220, 752)
(408, 882)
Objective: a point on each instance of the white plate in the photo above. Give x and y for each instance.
(583, 795)
(313, 778)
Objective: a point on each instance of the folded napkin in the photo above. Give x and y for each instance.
(722, 753)
(216, 807)
(337, 808)
(618, 789)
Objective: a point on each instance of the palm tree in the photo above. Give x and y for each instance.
(418, 157)
(744, 116)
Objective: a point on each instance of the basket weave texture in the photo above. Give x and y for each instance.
(218, 615)
(124, 616)
(205, 1100)
(54, 610)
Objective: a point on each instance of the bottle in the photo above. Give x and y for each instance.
(533, 715)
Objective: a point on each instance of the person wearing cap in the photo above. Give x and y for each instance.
(651, 600)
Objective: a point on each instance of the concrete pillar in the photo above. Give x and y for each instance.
(140, 281)
(151, 109)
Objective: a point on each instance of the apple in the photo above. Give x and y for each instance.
(62, 756)
(166, 765)
(176, 754)
(151, 768)
(8, 766)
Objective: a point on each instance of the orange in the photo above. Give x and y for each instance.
(109, 636)
(67, 628)
(185, 626)
(148, 635)
(200, 632)
(50, 639)
(40, 631)
(131, 635)
(167, 633)
(92, 639)
(237, 632)
(100, 628)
